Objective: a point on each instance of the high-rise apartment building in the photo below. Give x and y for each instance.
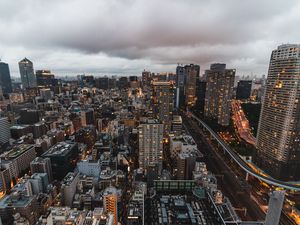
(192, 74)
(5, 80)
(163, 101)
(186, 84)
(27, 73)
(110, 202)
(278, 137)
(150, 144)
(146, 78)
(219, 90)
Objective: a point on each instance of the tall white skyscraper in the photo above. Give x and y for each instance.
(151, 144)
(278, 138)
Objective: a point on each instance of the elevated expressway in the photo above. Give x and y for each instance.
(249, 170)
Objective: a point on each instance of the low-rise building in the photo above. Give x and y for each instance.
(18, 159)
(89, 167)
(182, 144)
(63, 157)
(68, 188)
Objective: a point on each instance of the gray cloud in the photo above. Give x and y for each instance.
(125, 36)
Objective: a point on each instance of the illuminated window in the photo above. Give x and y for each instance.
(278, 84)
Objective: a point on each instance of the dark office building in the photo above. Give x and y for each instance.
(243, 90)
(102, 83)
(5, 81)
(123, 83)
(180, 83)
(88, 81)
(29, 116)
(200, 95)
(19, 131)
(112, 83)
(46, 79)
(63, 157)
(88, 117)
(133, 78)
(39, 129)
(134, 82)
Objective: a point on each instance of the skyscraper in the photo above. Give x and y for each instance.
(5, 81)
(278, 138)
(180, 83)
(150, 144)
(243, 90)
(200, 95)
(110, 201)
(186, 84)
(27, 73)
(163, 101)
(192, 74)
(219, 90)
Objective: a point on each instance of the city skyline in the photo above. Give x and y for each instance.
(130, 112)
(86, 41)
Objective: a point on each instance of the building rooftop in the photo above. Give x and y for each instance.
(38, 160)
(161, 83)
(185, 139)
(60, 149)
(180, 209)
(15, 200)
(16, 151)
(68, 179)
(110, 191)
(177, 119)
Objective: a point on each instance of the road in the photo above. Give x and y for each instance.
(243, 164)
(231, 185)
(241, 123)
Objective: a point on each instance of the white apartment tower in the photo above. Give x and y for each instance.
(278, 137)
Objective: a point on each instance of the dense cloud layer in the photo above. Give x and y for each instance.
(126, 36)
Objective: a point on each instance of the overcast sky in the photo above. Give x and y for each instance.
(126, 36)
